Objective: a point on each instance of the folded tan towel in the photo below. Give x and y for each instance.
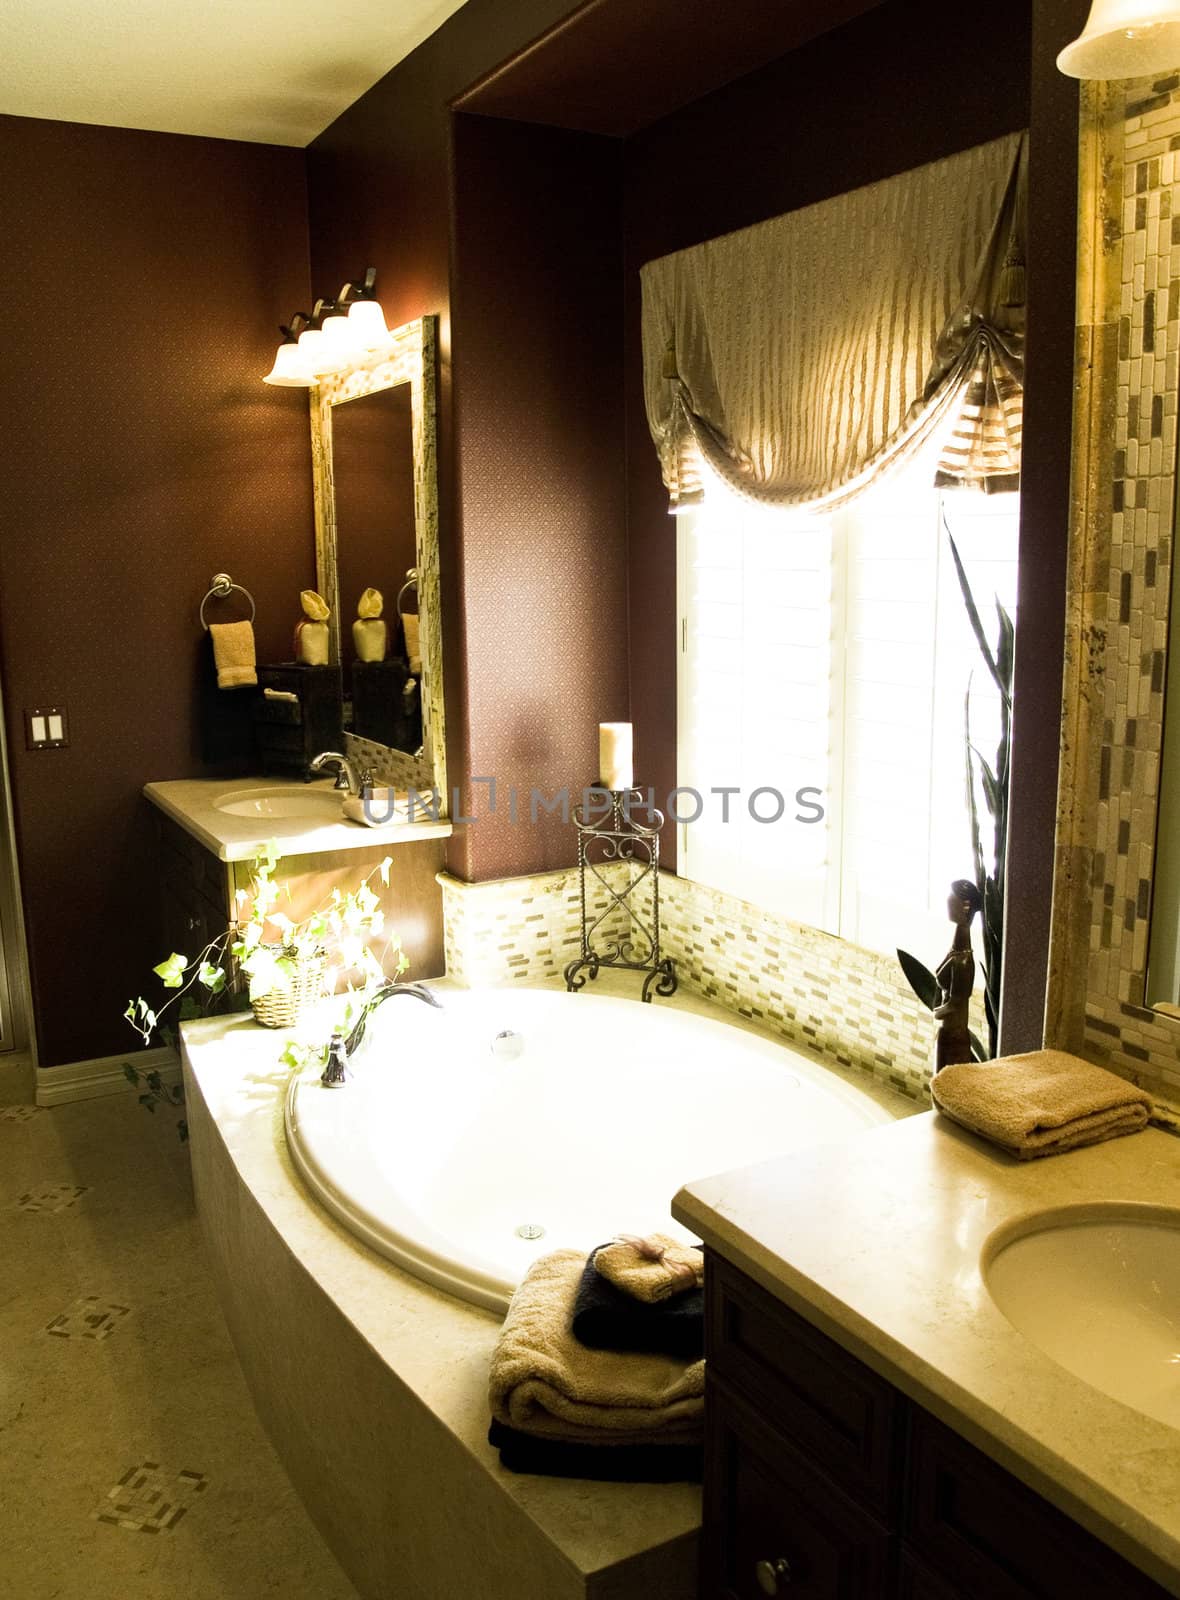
(651, 1269)
(233, 654)
(543, 1382)
(1040, 1103)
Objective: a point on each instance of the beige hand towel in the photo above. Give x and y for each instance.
(651, 1269)
(543, 1382)
(233, 654)
(1040, 1103)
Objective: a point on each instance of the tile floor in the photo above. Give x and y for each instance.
(123, 1412)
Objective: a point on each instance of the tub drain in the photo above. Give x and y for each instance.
(530, 1230)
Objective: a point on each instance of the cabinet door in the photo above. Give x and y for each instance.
(917, 1582)
(998, 1540)
(773, 1525)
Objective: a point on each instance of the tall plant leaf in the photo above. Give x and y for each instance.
(922, 981)
(985, 649)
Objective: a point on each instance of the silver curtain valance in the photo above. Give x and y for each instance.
(801, 357)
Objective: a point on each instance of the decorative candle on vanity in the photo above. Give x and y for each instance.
(615, 771)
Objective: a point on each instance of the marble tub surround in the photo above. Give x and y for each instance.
(884, 1254)
(191, 803)
(373, 1386)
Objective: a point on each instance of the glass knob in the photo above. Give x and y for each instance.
(771, 1573)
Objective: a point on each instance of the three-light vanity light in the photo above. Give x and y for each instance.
(333, 336)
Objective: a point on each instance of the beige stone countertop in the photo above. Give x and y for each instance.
(439, 1347)
(193, 803)
(878, 1243)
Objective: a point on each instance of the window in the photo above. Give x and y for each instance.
(833, 653)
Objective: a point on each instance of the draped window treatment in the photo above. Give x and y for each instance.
(801, 357)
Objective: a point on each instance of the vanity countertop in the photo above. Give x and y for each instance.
(194, 804)
(880, 1247)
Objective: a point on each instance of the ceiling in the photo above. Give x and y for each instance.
(268, 71)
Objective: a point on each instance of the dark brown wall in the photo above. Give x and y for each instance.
(851, 108)
(538, 385)
(384, 190)
(1044, 525)
(142, 279)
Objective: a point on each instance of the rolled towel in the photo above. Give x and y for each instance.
(233, 654)
(621, 1463)
(607, 1319)
(544, 1383)
(1040, 1103)
(653, 1268)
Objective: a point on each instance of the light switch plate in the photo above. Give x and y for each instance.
(46, 728)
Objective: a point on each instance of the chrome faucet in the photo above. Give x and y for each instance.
(341, 1048)
(347, 776)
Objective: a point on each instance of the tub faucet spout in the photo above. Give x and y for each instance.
(343, 1046)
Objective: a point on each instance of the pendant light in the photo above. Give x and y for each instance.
(1124, 39)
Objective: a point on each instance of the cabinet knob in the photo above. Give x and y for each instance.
(771, 1573)
(193, 924)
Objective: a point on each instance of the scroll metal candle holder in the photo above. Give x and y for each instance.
(604, 839)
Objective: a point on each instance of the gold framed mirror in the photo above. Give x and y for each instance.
(375, 468)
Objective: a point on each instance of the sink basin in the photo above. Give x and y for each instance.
(281, 804)
(1098, 1288)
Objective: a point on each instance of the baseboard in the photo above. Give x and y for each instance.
(89, 1080)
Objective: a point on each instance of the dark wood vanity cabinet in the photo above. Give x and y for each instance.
(823, 1481)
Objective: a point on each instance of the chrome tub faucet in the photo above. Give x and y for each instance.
(342, 1047)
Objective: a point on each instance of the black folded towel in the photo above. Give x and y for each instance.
(608, 1463)
(607, 1319)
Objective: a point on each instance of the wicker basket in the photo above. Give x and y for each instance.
(283, 1007)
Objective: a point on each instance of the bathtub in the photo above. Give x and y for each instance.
(513, 1122)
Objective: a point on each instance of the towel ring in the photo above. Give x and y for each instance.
(410, 583)
(222, 586)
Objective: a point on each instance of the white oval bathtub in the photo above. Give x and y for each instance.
(447, 1151)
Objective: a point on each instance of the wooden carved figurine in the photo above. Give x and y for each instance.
(956, 979)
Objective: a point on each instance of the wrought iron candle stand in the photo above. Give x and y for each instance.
(619, 836)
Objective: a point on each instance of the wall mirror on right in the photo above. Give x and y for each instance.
(1163, 958)
(1114, 992)
(376, 496)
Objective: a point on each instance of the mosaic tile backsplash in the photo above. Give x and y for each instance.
(829, 997)
(1120, 579)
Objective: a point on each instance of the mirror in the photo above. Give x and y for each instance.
(1163, 960)
(376, 497)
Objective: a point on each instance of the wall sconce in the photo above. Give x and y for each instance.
(290, 369)
(337, 333)
(1124, 39)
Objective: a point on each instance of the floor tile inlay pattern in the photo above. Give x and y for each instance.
(151, 1430)
(150, 1499)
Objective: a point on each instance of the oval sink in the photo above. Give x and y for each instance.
(280, 804)
(1097, 1288)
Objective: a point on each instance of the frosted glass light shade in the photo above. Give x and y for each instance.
(340, 341)
(1124, 39)
(318, 356)
(367, 321)
(290, 369)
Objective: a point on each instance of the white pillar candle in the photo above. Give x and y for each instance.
(615, 755)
